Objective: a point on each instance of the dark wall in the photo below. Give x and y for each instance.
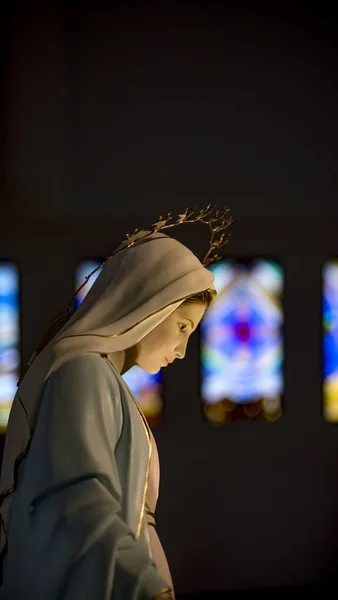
(112, 118)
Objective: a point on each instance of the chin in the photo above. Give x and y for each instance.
(152, 370)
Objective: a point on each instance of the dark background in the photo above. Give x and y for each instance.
(113, 116)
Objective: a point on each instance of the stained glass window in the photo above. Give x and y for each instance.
(242, 349)
(9, 338)
(330, 341)
(147, 389)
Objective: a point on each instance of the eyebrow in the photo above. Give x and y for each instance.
(192, 323)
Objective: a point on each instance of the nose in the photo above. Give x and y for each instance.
(181, 348)
(180, 352)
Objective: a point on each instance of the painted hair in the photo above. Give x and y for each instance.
(204, 297)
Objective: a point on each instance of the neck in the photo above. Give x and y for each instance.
(123, 360)
(118, 359)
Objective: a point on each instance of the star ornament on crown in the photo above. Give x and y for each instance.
(216, 219)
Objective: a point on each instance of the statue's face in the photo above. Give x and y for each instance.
(168, 340)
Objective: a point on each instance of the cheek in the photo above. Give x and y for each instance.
(171, 336)
(154, 343)
(163, 340)
(166, 340)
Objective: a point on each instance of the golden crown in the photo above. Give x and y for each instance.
(212, 216)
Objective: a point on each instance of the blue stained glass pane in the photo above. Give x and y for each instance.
(242, 343)
(9, 338)
(83, 270)
(330, 341)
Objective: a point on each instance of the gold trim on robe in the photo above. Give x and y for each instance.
(146, 427)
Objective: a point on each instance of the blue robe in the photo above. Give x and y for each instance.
(77, 528)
